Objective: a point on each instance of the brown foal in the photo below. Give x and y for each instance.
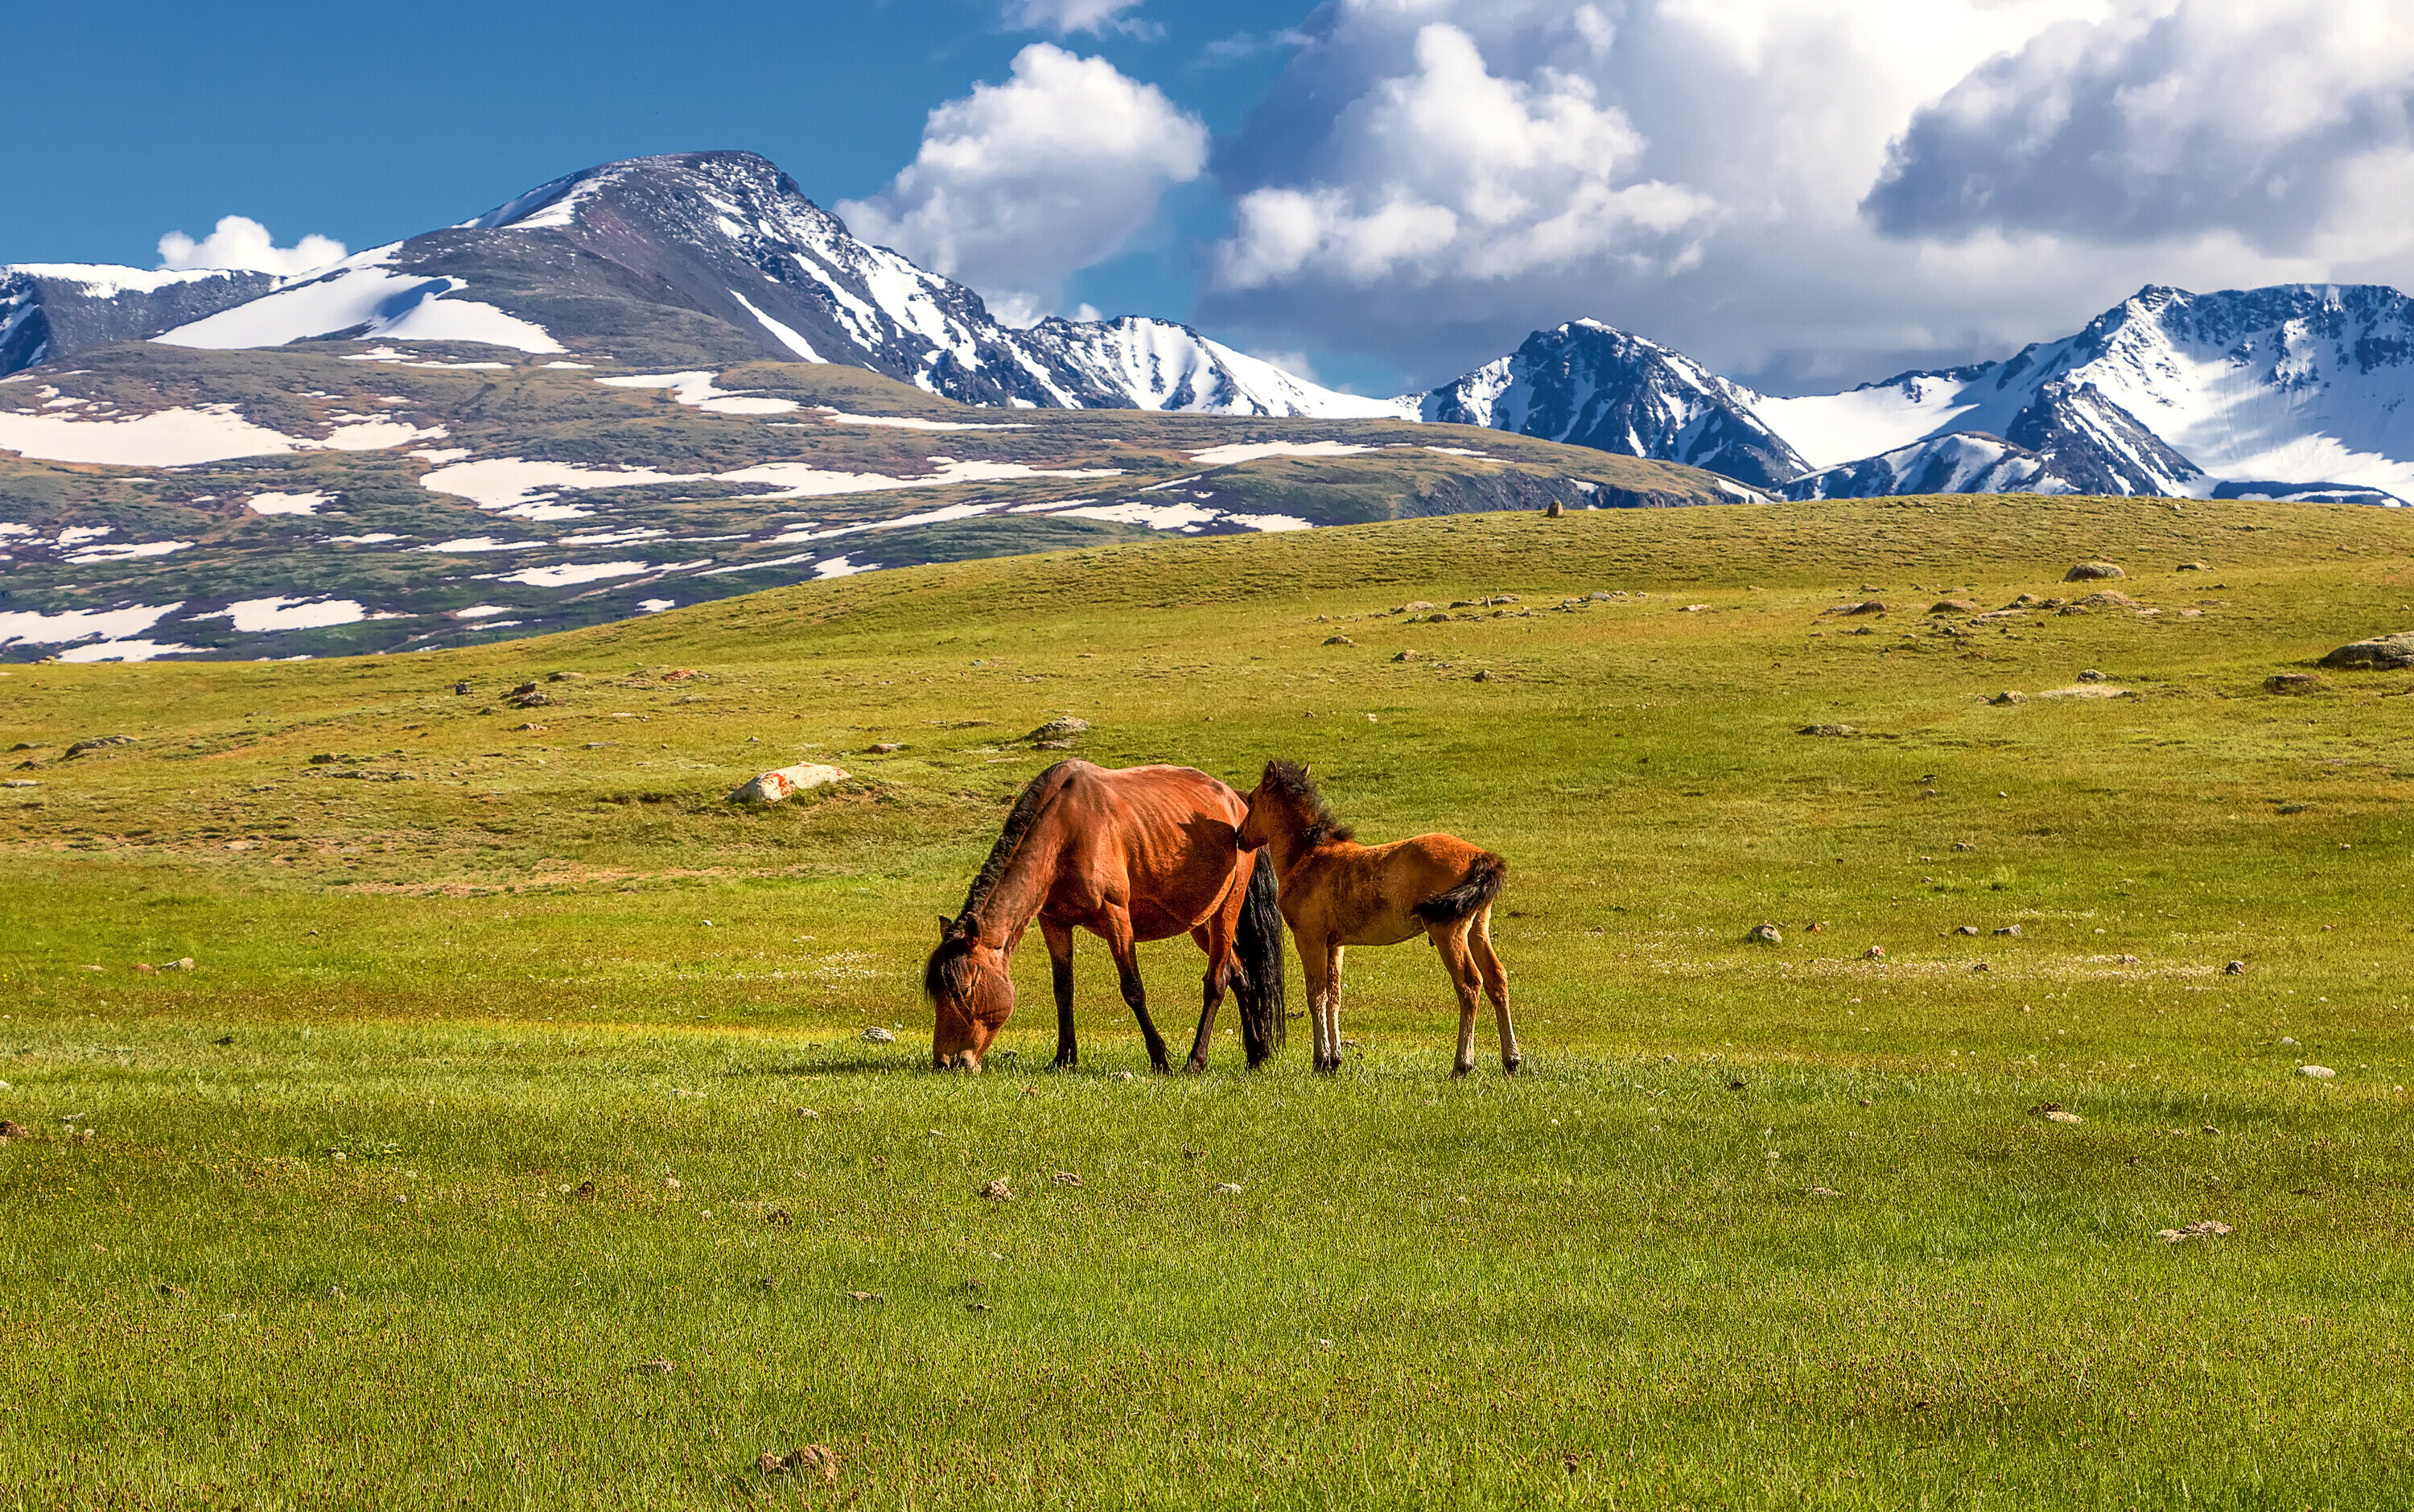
(1338, 893)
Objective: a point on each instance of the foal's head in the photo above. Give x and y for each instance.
(972, 991)
(1287, 805)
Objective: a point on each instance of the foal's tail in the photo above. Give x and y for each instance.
(1259, 946)
(1476, 891)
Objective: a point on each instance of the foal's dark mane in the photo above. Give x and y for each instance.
(1019, 821)
(1291, 779)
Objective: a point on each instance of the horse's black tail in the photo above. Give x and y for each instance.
(1259, 946)
(1477, 890)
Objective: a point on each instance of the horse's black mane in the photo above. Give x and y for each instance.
(1028, 807)
(1291, 779)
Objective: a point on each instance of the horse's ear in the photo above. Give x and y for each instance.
(972, 930)
(1308, 770)
(946, 929)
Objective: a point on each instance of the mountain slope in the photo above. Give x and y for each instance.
(52, 311)
(704, 259)
(1590, 384)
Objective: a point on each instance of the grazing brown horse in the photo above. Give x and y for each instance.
(1338, 893)
(1142, 854)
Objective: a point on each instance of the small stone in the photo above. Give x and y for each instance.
(1415, 606)
(1841, 732)
(2320, 1073)
(1971, 930)
(1765, 935)
(786, 783)
(878, 1035)
(1339, 640)
(2009, 696)
(679, 674)
(866, 1296)
(2091, 675)
(2235, 969)
(10, 1129)
(460, 689)
(2057, 1115)
(1067, 1178)
(2203, 1229)
(1227, 1189)
(1963, 845)
(2192, 566)
(1122, 1076)
(997, 1191)
(1483, 677)
(1953, 605)
(1824, 1191)
(2011, 930)
(1406, 656)
(886, 748)
(654, 1367)
(2090, 571)
(1061, 728)
(2291, 682)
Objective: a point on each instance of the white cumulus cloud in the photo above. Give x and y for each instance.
(1803, 191)
(241, 242)
(1021, 184)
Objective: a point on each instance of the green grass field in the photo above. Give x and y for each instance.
(513, 1140)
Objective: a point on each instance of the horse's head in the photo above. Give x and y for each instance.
(1286, 807)
(970, 990)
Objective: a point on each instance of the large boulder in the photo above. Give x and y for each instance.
(2091, 572)
(786, 783)
(2382, 654)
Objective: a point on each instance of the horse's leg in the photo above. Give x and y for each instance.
(1126, 949)
(1312, 964)
(1329, 1046)
(1451, 943)
(1495, 986)
(1060, 976)
(1218, 968)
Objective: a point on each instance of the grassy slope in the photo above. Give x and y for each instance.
(1606, 1282)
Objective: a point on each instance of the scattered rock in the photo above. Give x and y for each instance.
(531, 729)
(1227, 1189)
(1123, 1076)
(102, 742)
(1841, 732)
(2235, 969)
(1953, 605)
(2011, 930)
(2057, 1115)
(2204, 1229)
(1067, 1178)
(2192, 566)
(1064, 728)
(1963, 845)
(21, 782)
(2009, 696)
(2091, 675)
(460, 690)
(2109, 598)
(527, 696)
(878, 1035)
(1875, 953)
(655, 1367)
(1970, 930)
(679, 674)
(997, 1191)
(810, 1459)
(2320, 1073)
(2382, 654)
(1418, 607)
(1406, 656)
(2291, 682)
(885, 748)
(1864, 607)
(1339, 640)
(10, 1129)
(1483, 677)
(1822, 1191)
(2091, 572)
(1765, 935)
(866, 1296)
(786, 783)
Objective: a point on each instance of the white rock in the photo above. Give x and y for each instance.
(780, 786)
(2320, 1073)
(878, 1035)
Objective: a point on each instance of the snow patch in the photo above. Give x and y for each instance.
(26, 627)
(257, 616)
(787, 338)
(128, 552)
(126, 651)
(696, 391)
(363, 293)
(1251, 451)
(909, 423)
(289, 503)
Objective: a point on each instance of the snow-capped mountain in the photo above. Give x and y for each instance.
(1591, 384)
(719, 258)
(51, 309)
(2169, 392)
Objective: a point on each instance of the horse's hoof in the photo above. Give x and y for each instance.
(1457, 1071)
(1192, 1067)
(1509, 1068)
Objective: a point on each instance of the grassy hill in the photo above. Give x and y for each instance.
(514, 1138)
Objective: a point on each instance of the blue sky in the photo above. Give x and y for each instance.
(1383, 192)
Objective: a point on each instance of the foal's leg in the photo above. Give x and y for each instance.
(1495, 986)
(1125, 951)
(1219, 967)
(1060, 974)
(1451, 943)
(1330, 1044)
